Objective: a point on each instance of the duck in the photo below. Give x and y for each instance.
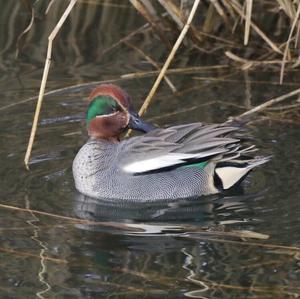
(161, 164)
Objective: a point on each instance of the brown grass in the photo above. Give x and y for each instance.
(234, 27)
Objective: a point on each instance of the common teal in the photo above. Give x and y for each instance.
(163, 164)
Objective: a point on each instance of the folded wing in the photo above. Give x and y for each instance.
(176, 146)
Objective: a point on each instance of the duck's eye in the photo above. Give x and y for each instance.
(116, 108)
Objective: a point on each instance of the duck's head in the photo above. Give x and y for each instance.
(109, 113)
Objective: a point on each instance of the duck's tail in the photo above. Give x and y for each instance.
(231, 169)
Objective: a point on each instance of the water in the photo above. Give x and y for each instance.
(186, 249)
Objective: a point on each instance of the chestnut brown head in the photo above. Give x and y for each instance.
(109, 113)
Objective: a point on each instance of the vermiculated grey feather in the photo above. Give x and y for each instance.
(172, 157)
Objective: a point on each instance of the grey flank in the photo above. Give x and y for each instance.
(98, 168)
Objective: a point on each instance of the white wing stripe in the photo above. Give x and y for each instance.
(171, 159)
(156, 163)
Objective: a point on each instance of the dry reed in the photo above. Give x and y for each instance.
(44, 80)
(225, 13)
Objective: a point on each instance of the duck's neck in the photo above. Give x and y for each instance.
(109, 139)
(109, 128)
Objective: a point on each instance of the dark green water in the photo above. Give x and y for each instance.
(164, 251)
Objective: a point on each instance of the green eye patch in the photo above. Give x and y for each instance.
(102, 105)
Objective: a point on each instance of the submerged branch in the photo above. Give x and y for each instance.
(193, 232)
(154, 63)
(29, 254)
(129, 76)
(267, 104)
